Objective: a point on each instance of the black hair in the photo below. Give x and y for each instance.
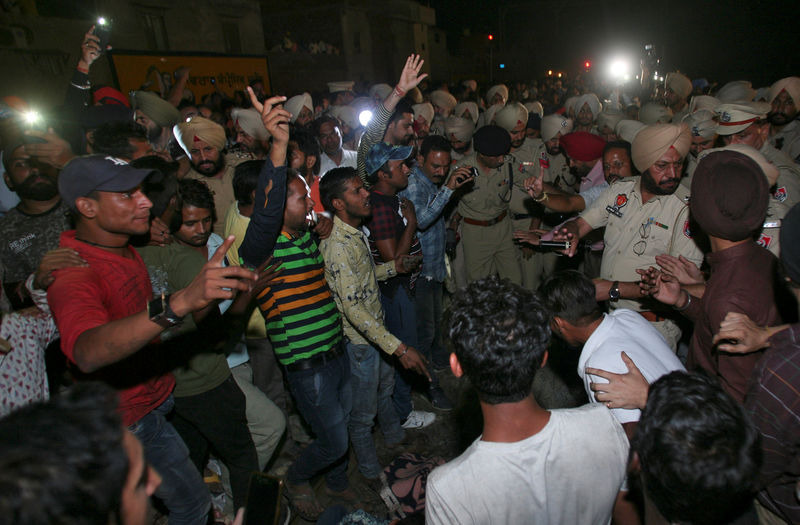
(192, 192)
(499, 332)
(161, 185)
(570, 295)
(700, 453)
(245, 180)
(306, 143)
(113, 138)
(324, 119)
(64, 461)
(400, 109)
(621, 144)
(334, 184)
(434, 143)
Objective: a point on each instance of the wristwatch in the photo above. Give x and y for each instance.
(613, 293)
(159, 312)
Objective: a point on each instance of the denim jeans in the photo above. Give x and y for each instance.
(217, 417)
(401, 321)
(324, 398)
(182, 489)
(428, 300)
(372, 380)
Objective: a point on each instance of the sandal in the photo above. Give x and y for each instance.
(303, 500)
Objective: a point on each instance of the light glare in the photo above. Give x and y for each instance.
(364, 117)
(32, 117)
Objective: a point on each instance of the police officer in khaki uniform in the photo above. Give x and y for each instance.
(745, 123)
(644, 217)
(524, 211)
(483, 207)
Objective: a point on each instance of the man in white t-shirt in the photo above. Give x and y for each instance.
(577, 318)
(530, 465)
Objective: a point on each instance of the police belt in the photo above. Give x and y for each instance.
(316, 360)
(491, 222)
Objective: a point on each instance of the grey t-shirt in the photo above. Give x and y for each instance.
(24, 239)
(569, 472)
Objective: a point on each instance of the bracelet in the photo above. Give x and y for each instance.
(688, 301)
(404, 353)
(542, 198)
(400, 93)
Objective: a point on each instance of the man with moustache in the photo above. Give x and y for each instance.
(644, 217)
(157, 116)
(204, 142)
(329, 134)
(32, 227)
(784, 131)
(483, 207)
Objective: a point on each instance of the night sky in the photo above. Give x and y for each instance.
(720, 40)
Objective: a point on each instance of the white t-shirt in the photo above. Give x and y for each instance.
(569, 472)
(349, 159)
(626, 331)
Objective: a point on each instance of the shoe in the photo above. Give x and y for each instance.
(418, 419)
(439, 399)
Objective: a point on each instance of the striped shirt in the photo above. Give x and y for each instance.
(302, 318)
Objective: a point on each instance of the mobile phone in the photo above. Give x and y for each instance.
(102, 30)
(263, 506)
(563, 245)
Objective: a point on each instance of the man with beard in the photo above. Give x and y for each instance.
(251, 135)
(329, 134)
(677, 88)
(32, 227)
(486, 226)
(157, 116)
(302, 109)
(745, 123)
(459, 132)
(423, 118)
(644, 217)
(784, 131)
(704, 134)
(204, 142)
(587, 108)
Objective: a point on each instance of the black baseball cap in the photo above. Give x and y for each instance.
(83, 175)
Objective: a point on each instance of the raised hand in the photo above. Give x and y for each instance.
(90, 50)
(410, 77)
(275, 119)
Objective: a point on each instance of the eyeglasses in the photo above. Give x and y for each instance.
(644, 232)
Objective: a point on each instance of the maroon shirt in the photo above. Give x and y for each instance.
(743, 279)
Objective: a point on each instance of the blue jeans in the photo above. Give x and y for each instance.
(401, 321)
(182, 489)
(428, 300)
(324, 398)
(372, 380)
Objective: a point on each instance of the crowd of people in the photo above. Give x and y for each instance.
(185, 277)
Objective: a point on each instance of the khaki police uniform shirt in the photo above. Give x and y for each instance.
(636, 232)
(488, 196)
(524, 164)
(788, 185)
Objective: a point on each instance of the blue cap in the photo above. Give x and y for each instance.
(83, 175)
(382, 152)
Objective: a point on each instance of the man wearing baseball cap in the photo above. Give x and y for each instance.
(487, 227)
(746, 123)
(393, 232)
(107, 316)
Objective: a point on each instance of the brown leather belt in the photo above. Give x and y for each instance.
(653, 317)
(490, 222)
